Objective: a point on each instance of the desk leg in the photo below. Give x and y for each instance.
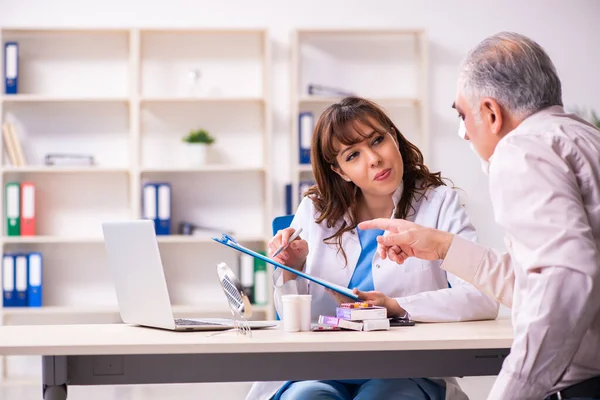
(54, 377)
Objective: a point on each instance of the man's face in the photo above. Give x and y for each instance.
(479, 129)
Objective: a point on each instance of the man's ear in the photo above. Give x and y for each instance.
(339, 171)
(492, 114)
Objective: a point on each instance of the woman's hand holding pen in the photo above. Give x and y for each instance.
(374, 297)
(293, 256)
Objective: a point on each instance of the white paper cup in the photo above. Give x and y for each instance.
(305, 311)
(291, 312)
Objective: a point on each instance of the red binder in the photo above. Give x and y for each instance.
(27, 209)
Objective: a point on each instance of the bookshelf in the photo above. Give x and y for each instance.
(207, 238)
(389, 67)
(127, 97)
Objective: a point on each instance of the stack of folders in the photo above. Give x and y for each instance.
(372, 318)
(306, 125)
(22, 279)
(60, 159)
(12, 145)
(20, 208)
(156, 205)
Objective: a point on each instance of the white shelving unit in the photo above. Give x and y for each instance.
(385, 66)
(126, 96)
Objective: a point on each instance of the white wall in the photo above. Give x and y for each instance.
(569, 30)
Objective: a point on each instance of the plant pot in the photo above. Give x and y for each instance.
(196, 154)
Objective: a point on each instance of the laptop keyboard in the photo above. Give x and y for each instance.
(183, 321)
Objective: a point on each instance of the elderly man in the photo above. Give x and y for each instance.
(544, 181)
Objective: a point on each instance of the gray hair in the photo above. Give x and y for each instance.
(512, 69)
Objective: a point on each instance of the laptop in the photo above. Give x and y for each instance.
(136, 268)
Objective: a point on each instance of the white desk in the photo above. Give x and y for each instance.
(116, 354)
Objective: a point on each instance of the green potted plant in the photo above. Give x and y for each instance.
(197, 142)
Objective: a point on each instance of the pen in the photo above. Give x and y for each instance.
(290, 240)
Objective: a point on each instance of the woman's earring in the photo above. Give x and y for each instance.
(347, 179)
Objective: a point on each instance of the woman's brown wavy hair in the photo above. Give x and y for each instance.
(332, 196)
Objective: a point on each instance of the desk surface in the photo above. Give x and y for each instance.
(60, 340)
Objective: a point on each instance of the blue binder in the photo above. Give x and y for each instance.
(163, 193)
(305, 130)
(35, 279)
(21, 274)
(288, 199)
(150, 202)
(11, 67)
(8, 280)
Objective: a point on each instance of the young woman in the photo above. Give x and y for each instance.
(365, 168)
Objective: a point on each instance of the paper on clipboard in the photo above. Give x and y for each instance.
(231, 242)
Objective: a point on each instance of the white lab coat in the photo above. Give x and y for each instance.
(420, 287)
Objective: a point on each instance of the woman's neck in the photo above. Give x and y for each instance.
(370, 207)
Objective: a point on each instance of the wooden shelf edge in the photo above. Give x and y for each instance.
(175, 239)
(359, 31)
(64, 170)
(403, 101)
(186, 99)
(206, 168)
(34, 98)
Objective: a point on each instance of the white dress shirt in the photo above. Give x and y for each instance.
(421, 287)
(545, 189)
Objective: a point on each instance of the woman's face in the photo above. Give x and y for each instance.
(374, 164)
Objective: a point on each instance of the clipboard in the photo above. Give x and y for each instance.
(231, 242)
